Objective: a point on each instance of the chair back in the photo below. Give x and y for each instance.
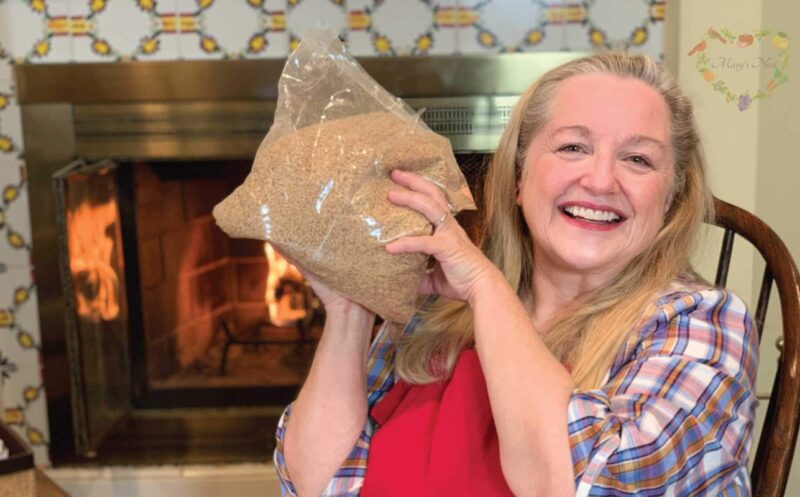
(773, 460)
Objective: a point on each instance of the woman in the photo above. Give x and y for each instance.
(575, 352)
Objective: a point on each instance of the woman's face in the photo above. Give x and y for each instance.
(597, 178)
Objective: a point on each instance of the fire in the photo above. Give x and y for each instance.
(90, 251)
(282, 311)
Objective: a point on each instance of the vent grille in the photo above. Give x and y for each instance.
(465, 121)
(234, 129)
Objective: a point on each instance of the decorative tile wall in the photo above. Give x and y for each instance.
(42, 31)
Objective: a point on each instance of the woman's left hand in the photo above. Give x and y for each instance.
(460, 265)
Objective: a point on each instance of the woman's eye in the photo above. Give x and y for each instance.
(640, 159)
(572, 147)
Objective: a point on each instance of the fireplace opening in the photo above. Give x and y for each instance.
(217, 312)
(218, 333)
(189, 342)
(214, 321)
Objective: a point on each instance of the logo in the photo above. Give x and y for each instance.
(711, 66)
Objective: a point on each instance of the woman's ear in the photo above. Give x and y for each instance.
(668, 204)
(517, 186)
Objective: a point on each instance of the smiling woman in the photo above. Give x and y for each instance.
(575, 351)
(597, 179)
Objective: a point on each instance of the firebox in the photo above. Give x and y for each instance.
(163, 340)
(140, 241)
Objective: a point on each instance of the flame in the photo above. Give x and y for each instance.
(283, 311)
(90, 250)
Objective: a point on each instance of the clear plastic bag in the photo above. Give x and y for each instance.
(318, 187)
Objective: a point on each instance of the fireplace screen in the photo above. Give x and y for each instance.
(93, 275)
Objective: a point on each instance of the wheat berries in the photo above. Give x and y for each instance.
(319, 194)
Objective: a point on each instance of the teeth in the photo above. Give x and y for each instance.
(591, 214)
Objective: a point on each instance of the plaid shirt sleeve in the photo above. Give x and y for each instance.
(349, 478)
(676, 414)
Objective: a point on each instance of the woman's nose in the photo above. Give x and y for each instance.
(600, 176)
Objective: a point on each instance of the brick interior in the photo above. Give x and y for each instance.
(192, 274)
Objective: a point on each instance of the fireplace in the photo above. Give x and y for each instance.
(163, 340)
(141, 240)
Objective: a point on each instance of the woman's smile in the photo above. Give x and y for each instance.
(591, 216)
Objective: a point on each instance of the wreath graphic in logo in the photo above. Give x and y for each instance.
(705, 66)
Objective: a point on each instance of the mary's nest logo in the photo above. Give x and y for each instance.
(720, 53)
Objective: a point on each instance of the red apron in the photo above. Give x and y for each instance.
(437, 439)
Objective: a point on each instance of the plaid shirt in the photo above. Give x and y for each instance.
(673, 417)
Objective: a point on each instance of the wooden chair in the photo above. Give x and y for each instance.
(778, 438)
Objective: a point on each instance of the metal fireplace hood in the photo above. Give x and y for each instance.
(222, 109)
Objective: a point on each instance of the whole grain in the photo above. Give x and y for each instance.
(319, 195)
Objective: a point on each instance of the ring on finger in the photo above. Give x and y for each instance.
(440, 221)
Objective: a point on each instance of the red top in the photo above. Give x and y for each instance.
(437, 439)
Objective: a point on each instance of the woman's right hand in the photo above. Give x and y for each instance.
(332, 300)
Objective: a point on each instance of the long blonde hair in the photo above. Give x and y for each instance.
(592, 330)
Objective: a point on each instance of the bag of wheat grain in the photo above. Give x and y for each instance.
(318, 187)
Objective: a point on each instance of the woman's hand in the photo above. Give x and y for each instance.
(460, 265)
